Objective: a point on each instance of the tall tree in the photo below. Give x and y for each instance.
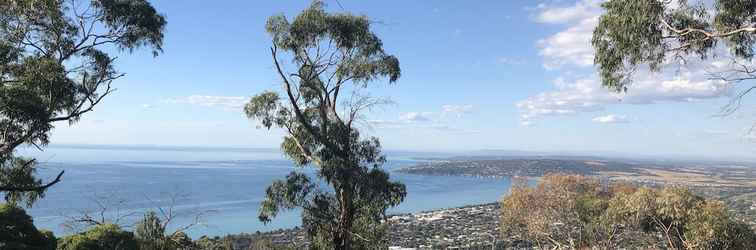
(633, 33)
(55, 67)
(332, 55)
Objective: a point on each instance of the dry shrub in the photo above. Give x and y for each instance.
(572, 211)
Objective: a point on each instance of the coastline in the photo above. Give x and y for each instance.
(463, 227)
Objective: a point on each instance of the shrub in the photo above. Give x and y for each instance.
(580, 212)
(562, 210)
(685, 220)
(150, 233)
(17, 231)
(100, 237)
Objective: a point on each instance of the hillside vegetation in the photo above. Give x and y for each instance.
(572, 211)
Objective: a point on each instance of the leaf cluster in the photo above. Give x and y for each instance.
(633, 33)
(54, 68)
(331, 55)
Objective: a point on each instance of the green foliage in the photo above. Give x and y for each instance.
(563, 210)
(206, 243)
(632, 33)
(686, 220)
(54, 68)
(150, 233)
(579, 212)
(713, 228)
(732, 15)
(333, 54)
(17, 231)
(617, 44)
(100, 237)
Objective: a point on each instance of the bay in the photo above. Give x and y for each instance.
(219, 189)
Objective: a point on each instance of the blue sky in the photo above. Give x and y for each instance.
(511, 75)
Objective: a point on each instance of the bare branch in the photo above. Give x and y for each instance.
(708, 34)
(298, 112)
(41, 188)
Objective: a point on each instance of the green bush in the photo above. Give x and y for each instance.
(216, 243)
(17, 231)
(101, 237)
(151, 234)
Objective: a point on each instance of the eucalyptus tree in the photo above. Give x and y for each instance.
(330, 56)
(55, 66)
(634, 33)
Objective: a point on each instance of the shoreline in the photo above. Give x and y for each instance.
(466, 226)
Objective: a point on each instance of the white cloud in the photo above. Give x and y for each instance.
(437, 121)
(147, 106)
(453, 130)
(611, 119)
(384, 124)
(569, 47)
(570, 50)
(584, 95)
(572, 45)
(227, 102)
(413, 117)
(510, 61)
(580, 11)
(526, 123)
(434, 126)
(456, 110)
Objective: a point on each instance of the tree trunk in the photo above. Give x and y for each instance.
(343, 239)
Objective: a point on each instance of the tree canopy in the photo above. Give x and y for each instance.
(633, 33)
(17, 231)
(101, 237)
(55, 66)
(332, 55)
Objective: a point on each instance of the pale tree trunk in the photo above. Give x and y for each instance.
(343, 239)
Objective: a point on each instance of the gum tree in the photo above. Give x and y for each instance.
(330, 56)
(55, 66)
(635, 33)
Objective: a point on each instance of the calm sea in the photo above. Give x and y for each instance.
(224, 186)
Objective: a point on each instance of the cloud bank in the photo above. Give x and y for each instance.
(570, 50)
(226, 102)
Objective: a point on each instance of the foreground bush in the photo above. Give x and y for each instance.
(152, 235)
(568, 211)
(17, 231)
(100, 237)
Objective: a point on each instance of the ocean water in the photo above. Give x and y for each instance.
(220, 190)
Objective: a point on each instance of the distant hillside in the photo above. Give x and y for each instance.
(517, 167)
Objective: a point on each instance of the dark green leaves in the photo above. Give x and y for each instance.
(733, 15)
(266, 108)
(54, 68)
(287, 194)
(332, 55)
(17, 231)
(19, 173)
(628, 34)
(633, 33)
(138, 22)
(361, 51)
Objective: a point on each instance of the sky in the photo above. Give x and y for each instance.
(506, 75)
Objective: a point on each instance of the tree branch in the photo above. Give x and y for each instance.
(709, 34)
(297, 111)
(11, 188)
